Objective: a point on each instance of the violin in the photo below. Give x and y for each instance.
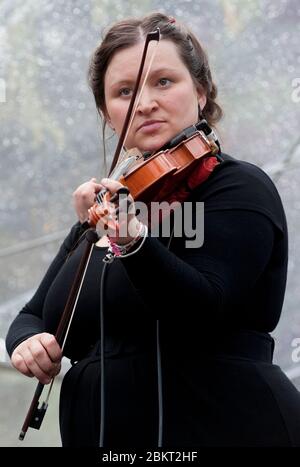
(161, 176)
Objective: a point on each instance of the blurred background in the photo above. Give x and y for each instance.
(51, 141)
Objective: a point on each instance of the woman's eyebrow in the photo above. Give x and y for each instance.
(131, 80)
(160, 70)
(121, 82)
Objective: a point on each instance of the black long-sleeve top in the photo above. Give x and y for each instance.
(235, 280)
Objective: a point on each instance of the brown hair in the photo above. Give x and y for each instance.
(129, 32)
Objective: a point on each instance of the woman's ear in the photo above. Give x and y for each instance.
(107, 119)
(201, 96)
(202, 100)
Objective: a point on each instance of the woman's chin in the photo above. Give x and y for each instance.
(154, 145)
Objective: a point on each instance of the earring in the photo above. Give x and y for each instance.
(109, 124)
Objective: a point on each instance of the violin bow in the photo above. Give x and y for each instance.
(36, 413)
(151, 36)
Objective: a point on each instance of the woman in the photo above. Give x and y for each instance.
(204, 376)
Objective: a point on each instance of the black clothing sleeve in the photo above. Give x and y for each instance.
(30, 320)
(237, 247)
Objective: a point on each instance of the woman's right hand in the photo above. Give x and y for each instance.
(39, 356)
(84, 198)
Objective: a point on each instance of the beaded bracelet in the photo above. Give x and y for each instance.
(123, 251)
(120, 249)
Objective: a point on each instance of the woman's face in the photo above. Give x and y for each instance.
(169, 101)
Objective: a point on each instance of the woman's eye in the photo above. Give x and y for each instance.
(164, 82)
(125, 92)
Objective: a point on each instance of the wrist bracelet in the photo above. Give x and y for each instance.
(122, 251)
(144, 236)
(125, 247)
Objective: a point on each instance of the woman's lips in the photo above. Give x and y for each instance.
(150, 127)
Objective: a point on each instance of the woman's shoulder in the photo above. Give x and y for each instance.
(235, 168)
(239, 184)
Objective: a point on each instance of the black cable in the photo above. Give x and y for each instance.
(159, 388)
(159, 373)
(102, 377)
(102, 367)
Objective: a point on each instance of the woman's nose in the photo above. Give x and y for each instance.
(147, 103)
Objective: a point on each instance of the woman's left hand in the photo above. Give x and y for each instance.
(117, 214)
(84, 197)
